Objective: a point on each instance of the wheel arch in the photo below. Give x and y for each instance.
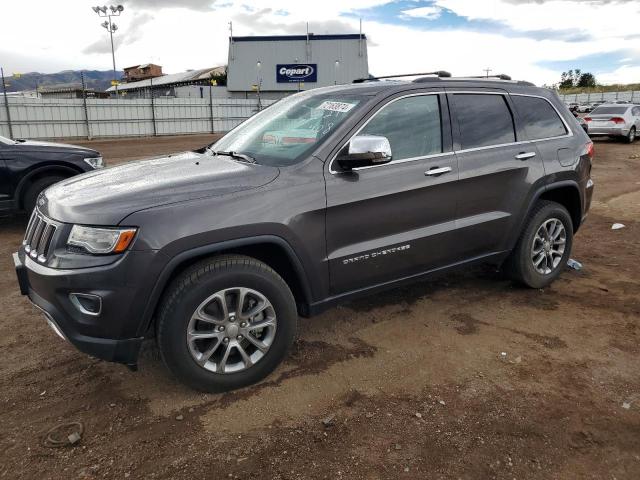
(42, 172)
(566, 194)
(270, 249)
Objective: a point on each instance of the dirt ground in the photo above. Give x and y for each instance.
(464, 377)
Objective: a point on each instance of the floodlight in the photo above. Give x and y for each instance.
(120, 8)
(112, 8)
(95, 9)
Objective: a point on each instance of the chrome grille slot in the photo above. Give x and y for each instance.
(37, 239)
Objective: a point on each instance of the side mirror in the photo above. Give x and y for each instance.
(364, 151)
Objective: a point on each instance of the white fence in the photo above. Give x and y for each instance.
(102, 118)
(629, 96)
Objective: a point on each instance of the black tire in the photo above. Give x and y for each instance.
(194, 286)
(519, 266)
(32, 192)
(631, 136)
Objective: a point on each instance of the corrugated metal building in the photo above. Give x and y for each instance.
(192, 83)
(280, 65)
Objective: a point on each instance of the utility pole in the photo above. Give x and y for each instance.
(6, 104)
(487, 70)
(111, 27)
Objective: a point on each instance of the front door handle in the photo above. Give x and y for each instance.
(435, 171)
(525, 155)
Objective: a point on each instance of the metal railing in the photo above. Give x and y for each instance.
(40, 118)
(629, 96)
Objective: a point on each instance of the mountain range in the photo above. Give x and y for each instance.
(94, 79)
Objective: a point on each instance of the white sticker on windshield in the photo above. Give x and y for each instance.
(336, 106)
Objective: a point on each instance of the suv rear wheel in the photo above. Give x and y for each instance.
(226, 323)
(544, 246)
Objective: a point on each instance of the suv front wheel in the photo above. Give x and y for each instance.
(226, 323)
(544, 246)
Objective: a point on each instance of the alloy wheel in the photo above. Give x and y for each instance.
(231, 330)
(548, 246)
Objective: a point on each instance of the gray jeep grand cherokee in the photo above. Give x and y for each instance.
(326, 195)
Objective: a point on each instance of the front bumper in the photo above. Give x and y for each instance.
(113, 335)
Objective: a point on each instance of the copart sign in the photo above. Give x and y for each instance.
(296, 72)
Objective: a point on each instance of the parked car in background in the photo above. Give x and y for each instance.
(615, 120)
(583, 124)
(573, 106)
(584, 108)
(28, 167)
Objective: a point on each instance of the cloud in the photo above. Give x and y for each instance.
(121, 37)
(427, 13)
(599, 18)
(201, 5)
(524, 38)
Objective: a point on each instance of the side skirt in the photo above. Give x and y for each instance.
(323, 305)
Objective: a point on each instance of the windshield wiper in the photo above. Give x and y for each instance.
(239, 156)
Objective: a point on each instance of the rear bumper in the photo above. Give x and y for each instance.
(101, 336)
(609, 131)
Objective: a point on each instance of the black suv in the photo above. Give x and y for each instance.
(324, 196)
(28, 167)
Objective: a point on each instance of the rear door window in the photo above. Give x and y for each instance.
(483, 119)
(538, 117)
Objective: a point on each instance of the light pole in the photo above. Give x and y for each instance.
(258, 83)
(111, 11)
(335, 74)
(487, 70)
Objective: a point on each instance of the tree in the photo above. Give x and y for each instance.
(587, 80)
(575, 78)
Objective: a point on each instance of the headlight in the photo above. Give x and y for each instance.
(95, 162)
(101, 240)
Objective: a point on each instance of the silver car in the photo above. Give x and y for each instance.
(615, 120)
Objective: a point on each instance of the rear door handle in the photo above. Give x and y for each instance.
(435, 171)
(525, 155)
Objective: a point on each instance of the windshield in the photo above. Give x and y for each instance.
(609, 110)
(6, 141)
(285, 132)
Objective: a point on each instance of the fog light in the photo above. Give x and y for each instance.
(87, 303)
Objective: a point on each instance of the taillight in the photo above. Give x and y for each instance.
(590, 150)
(617, 120)
(587, 119)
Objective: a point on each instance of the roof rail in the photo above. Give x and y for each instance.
(501, 76)
(438, 73)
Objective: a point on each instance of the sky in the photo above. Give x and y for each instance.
(528, 39)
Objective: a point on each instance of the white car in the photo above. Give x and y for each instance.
(615, 120)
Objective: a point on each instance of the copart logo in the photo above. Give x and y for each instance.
(378, 253)
(300, 72)
(297, 73)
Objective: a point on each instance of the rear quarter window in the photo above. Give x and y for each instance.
(538, 117)
(483, 119)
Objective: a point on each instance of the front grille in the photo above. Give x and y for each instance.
(37, 240)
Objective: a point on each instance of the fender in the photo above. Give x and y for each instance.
(204, 250)
(54, 167)
(535, 197)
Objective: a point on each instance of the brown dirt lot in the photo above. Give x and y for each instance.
(412, 383)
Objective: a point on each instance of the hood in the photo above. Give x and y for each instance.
(37, 145)
(105, 197)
